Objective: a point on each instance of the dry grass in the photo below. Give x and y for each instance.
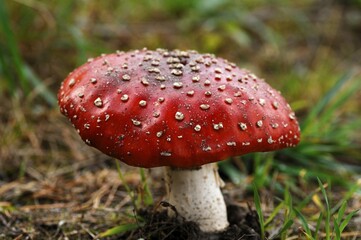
(53, 186)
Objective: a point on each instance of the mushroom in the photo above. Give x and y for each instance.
(182, 110)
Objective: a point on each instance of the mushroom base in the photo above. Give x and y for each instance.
(197, 197)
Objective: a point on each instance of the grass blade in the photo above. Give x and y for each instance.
(328, 212)
(119, 229)
(12, 47)
(317, 109)
(341, 212)
(287, 224)
(289, 212)
(304, 222)
(318, 225)
(336, 229)
(341, 100)
(347, 220)
(16, 71)
(231, 172)
(352, 189)
(39, 86)
(126, 186)
(274, 214)
(257, 201)
(146, 193)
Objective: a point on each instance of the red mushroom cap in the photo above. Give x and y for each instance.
(174, 108)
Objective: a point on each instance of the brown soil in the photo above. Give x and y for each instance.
(155, 225)
(244, 224)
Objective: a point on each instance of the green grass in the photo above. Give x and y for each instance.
(16, 74)
(119, 230)
(326, 223)
(334, 223)
(140, 199)
(326, 138)
(257, 202)
(287, 42)
(143, 196)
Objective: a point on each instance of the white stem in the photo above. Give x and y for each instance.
(196, 195)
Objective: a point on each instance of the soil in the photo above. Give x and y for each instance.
(244, 224)
(82, 200)
(155, 225)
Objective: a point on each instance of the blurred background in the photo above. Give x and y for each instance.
(309, 50)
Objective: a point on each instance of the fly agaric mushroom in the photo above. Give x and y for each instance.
(178, 109)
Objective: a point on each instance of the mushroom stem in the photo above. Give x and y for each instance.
(196, 195)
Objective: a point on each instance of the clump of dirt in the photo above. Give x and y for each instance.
(244, 224)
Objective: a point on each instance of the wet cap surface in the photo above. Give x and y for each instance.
(174, 108)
